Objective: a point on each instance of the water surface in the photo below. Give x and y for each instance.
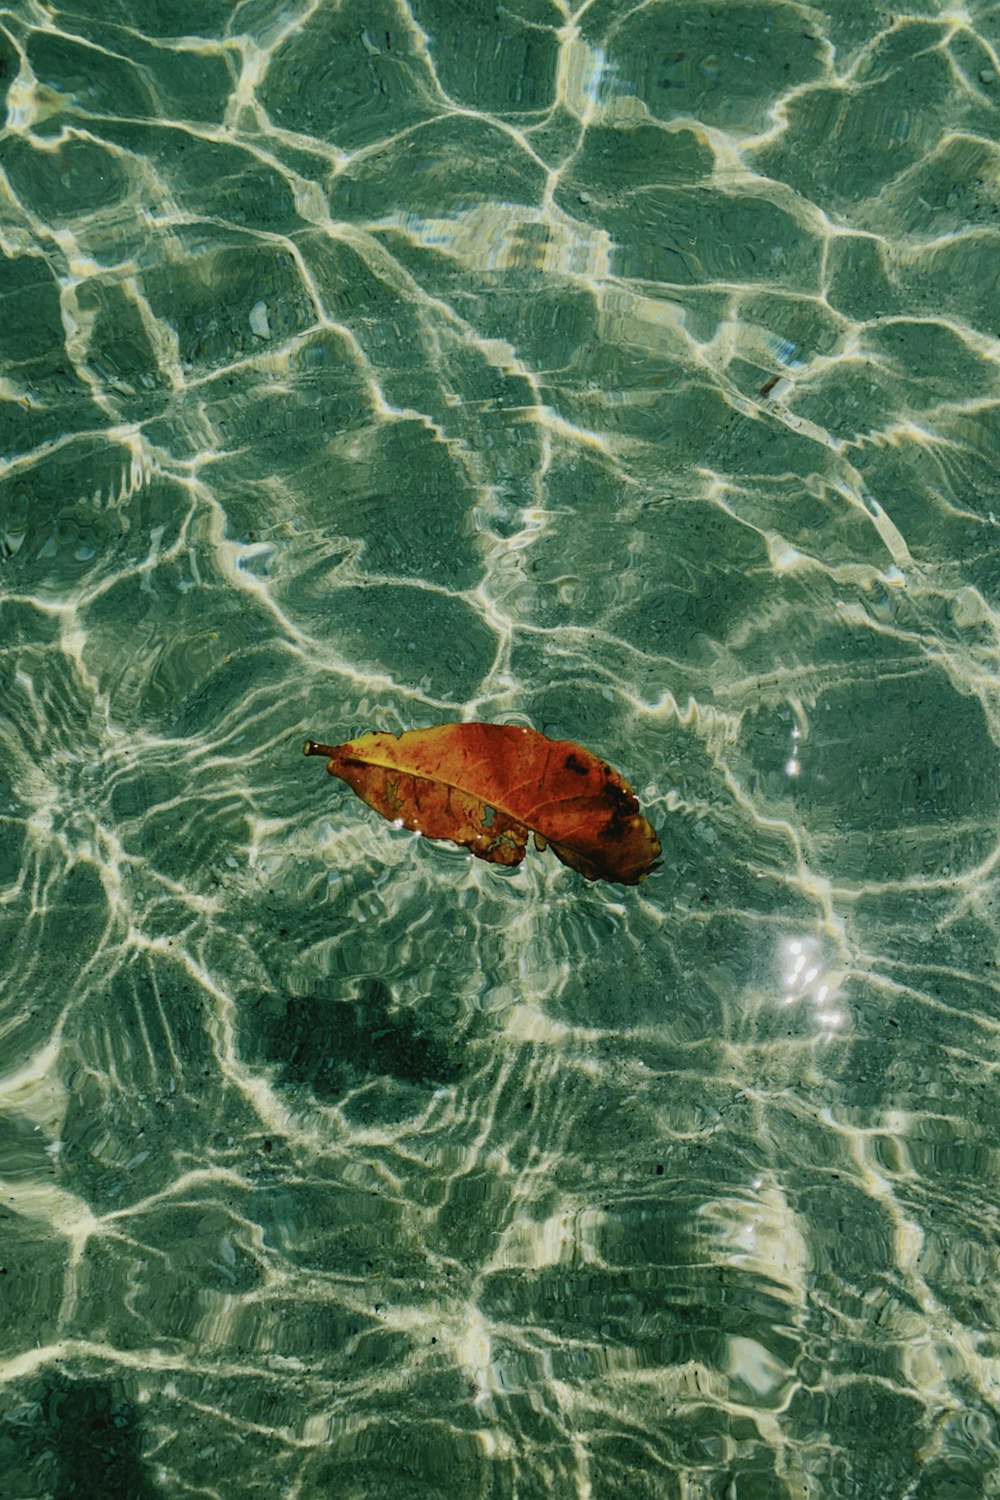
(630, 371)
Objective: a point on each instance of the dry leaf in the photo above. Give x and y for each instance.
(487, 786)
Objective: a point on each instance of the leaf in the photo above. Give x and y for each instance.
(487, 786)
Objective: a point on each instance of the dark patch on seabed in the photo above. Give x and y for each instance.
(333, 1045)
(72, 1439)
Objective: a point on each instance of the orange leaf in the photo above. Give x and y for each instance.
(487, 786)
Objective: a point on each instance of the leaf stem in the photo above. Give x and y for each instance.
(311, 748)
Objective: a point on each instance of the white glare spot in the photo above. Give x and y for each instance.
(258, 320)
(792, 768)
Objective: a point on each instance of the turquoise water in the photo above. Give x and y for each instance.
(631, 371)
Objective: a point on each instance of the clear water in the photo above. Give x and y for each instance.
(631, 371)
